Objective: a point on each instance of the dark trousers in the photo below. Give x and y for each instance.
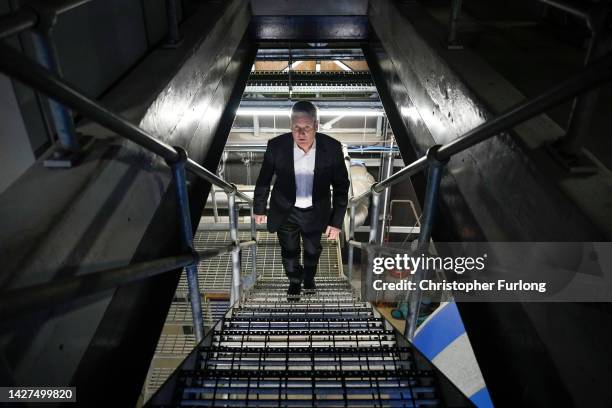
(295, 226)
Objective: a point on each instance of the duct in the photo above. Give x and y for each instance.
(361, 182)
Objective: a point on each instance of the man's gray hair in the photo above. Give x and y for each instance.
(305, 108)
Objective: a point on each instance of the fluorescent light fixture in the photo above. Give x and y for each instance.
(322, 112)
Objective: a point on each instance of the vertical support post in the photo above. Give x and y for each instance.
(349, 230)
(178, 172)
(434, 176)
(67, 153)
(379, 125)
(233, 224)
(584, 105)
(387, 170)
(213, 199)
(453, 23)
(351, 235)
(367, 279)
(374, 217)
(254, 247)
(247, 163)
(174, 36)
(386, 197)
(255, 125)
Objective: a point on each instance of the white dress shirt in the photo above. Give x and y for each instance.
(303, 165)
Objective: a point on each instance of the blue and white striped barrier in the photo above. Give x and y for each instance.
(443, 340)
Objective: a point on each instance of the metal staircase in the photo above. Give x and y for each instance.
(327, 349)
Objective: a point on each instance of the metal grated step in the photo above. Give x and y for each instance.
(328, 349)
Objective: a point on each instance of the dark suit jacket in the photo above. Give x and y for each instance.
(329, 170)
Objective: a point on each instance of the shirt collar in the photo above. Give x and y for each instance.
(312, 149)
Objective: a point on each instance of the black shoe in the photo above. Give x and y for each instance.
(293, 293)
(309, 287)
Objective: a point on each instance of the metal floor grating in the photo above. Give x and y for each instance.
(212, 310)
(269, 258)
(174, 345)
(323, 349)
(215, 274)
(155, 378)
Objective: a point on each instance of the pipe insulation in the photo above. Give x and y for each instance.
(361, 182)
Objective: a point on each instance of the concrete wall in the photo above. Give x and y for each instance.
(99, 41)
(97, 44)
(15, 150)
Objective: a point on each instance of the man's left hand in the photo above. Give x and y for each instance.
(332, 232)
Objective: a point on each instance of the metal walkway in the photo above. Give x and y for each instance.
(327, 349)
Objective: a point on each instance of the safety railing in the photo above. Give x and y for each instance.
(40, 17)
(438, 155)
(44, 78)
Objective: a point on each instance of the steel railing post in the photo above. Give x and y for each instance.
(254, 247)
(434, 176)
(233, 224)
(174, 35)
(374, 222)
(213, 198)
(180, 181)
(386, 195)
(351, 234)
(453, 24)
(584, 106)
(46, 55)
(374, 217)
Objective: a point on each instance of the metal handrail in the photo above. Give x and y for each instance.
(31, 14)
(25, 300)
(17, 22)
(589, 77)
(21, 68)
(568, 8)
(30, 73)
(438, 155)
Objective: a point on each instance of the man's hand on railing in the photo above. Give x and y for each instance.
(332, 232)
(260, 219)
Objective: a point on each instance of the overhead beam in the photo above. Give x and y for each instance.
(310, 28)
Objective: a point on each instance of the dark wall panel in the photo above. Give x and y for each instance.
(99, 41)
(530, 354)
(117, 207)
(155, 20)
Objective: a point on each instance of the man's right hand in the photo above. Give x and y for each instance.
(260, 219)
